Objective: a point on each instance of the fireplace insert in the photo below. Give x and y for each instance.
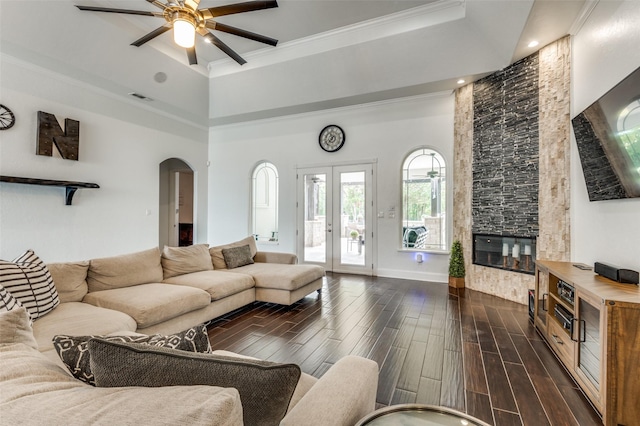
(513, 253)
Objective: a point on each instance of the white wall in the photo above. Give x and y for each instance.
(384, 133)
(605, 50)
(119, 154)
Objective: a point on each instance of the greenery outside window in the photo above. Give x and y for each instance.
(424, 201)
(629, 135)
(264, 218)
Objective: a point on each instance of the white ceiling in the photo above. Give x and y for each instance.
(330, 53)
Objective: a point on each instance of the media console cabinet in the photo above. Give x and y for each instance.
(593, 326)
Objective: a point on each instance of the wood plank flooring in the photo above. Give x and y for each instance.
(474, 352)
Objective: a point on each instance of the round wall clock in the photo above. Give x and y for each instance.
(331, 138)
(7, 119)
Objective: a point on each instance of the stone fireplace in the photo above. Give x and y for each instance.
(512, 171)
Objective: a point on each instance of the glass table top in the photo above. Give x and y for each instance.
(418, 415)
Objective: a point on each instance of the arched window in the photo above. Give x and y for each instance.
(264, 183)
(424, 201)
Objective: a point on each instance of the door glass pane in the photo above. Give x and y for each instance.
(589, 355)
(352, 221)
(315, 205)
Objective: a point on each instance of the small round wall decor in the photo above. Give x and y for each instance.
(331, 138)
(7, 119)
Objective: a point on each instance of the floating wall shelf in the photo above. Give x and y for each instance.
(70, 186)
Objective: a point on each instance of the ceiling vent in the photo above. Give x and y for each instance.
(139, 96)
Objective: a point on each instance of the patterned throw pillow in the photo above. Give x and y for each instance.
(265, 387)
(235, 257)
(74, 350)
(8, 302)
(29, 282)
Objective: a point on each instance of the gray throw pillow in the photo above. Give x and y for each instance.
(235, 257)
(265, 388)
(74, 350)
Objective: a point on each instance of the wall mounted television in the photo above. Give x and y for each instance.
(608, 138)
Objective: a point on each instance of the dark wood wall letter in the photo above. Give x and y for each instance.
(49, 133)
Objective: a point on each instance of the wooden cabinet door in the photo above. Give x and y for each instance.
(541, 304)
(623, 364)
(589, 332)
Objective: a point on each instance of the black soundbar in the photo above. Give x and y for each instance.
(620, 275)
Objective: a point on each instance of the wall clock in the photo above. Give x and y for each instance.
(7, 119)
(331, 138)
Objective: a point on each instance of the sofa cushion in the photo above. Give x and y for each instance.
(79, 319)
(184, 260)
(28, 280)
(281, 277)
(237, 256)
(265, 388)
(151, 304)
(125, 270)
(15, 328)
(219, 284)
(70, 279)
(37, 391)
(74, 350)
(217, 258)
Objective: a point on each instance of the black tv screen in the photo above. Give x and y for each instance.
(608, 138)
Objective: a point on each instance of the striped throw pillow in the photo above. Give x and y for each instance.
(29, 282)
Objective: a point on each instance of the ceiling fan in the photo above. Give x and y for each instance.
(186, 20)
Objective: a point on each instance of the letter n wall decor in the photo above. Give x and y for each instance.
(49, 133)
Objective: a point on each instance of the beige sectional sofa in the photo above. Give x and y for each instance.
(154, 292)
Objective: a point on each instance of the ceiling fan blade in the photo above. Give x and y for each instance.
(191, 54)
(191, 4)
(241, 33)
(220, 45)
(126, 11)
(230, 9)
(158, 4)
(153, 34)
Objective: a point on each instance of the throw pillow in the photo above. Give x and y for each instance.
(216, 252)
(74, 353)
(15, 327)
(7, 301)
(235, 257)
(265, 388)
(185, 260)
(29, 282)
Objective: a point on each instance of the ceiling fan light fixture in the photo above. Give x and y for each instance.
(184, 32)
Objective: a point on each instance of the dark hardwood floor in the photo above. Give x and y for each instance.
(475, 353)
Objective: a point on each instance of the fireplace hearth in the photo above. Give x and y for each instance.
(512, 253)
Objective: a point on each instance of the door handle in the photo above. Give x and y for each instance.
(544, 297)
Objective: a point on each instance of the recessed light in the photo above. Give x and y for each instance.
(461, 81)
(533, 43)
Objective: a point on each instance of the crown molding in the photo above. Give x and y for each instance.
(416, 18)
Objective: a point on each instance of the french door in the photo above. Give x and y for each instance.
(335, 220)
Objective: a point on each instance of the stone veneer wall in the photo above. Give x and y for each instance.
(505, 151)
(554, 197)
(553, 180)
